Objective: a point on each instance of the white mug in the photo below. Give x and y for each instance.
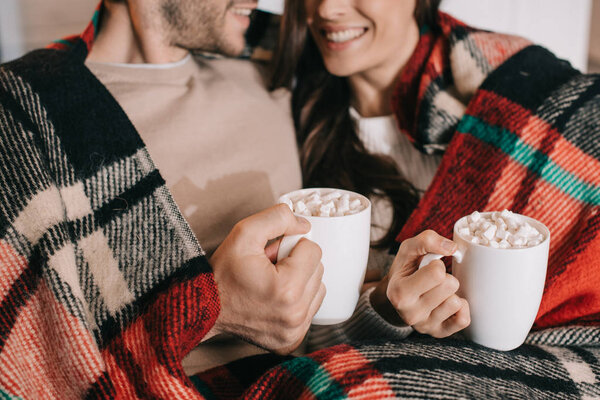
(271, 6)
(344, 243)
(504, 287)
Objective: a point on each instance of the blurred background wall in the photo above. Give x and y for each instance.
(594, 54)
(570, 28)
(563, 26)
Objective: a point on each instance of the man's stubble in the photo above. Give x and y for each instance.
(198, 25)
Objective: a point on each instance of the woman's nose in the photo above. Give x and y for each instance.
(332, 9)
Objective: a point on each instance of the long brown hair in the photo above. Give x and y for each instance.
(332, 155)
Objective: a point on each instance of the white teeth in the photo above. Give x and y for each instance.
(344, 36)
(242, 11)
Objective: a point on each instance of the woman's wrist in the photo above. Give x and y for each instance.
(381, 304)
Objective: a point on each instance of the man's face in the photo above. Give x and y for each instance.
(216, 26)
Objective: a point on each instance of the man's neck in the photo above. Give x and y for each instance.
(127, 36)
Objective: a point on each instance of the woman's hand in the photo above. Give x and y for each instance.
(423, 298)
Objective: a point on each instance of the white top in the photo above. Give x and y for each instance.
(381, 135)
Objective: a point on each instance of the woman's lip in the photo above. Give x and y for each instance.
(338, 46)
(331, 29)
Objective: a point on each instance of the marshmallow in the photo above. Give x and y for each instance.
(325, 204)
(503, 244)
(474, 217)
(490, 232)
(517, 241)
(299, 207)
(464, 232)
(501, 230)
(501, 233)
(331, 196)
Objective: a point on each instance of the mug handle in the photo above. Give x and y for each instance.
(429, 257)
(288, 243)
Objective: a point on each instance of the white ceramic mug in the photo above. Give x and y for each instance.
(344, 242)
(271, 6)
(504, 287)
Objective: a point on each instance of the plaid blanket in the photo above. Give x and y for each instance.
(421, 368)
(520, 129)
(103, 288)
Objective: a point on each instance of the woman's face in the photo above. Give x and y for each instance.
(362, 36)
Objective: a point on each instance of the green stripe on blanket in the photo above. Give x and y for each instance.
(62, 41)
(95, 20)
(316, 379)
(202, 388)
(7, 396)
(534, 160)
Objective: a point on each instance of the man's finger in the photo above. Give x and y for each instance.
(272, 249)
(316, 302)
(314, 307)
(258, 229)
(314, 282)
(302, 261)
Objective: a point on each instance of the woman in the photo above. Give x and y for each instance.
(398, 101)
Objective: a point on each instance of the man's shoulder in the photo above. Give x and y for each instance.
(46, 72)
(41, 62)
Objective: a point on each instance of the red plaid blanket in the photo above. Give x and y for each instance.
(527, 140)
(87, 312)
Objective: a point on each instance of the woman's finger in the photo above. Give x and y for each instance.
(426, 242)
(437, 295)
(455, 322)
(417, 284)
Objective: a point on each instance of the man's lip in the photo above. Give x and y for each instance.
(245, 4)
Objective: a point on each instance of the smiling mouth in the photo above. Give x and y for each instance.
(345, 35)
(242, 11)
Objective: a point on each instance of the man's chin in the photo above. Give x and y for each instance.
(232, 47)
(233, 53)
(227, 49)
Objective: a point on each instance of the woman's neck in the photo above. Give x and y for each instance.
(372, 89)
(371, 100)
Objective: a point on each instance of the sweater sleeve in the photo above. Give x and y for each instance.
(364, 324)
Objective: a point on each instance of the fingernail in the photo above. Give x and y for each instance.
(303, 221)
(448, 245)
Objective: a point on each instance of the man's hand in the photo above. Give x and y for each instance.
(423, 298)
(266, 304)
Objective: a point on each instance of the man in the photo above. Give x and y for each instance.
(201, 120)
(99, 270)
